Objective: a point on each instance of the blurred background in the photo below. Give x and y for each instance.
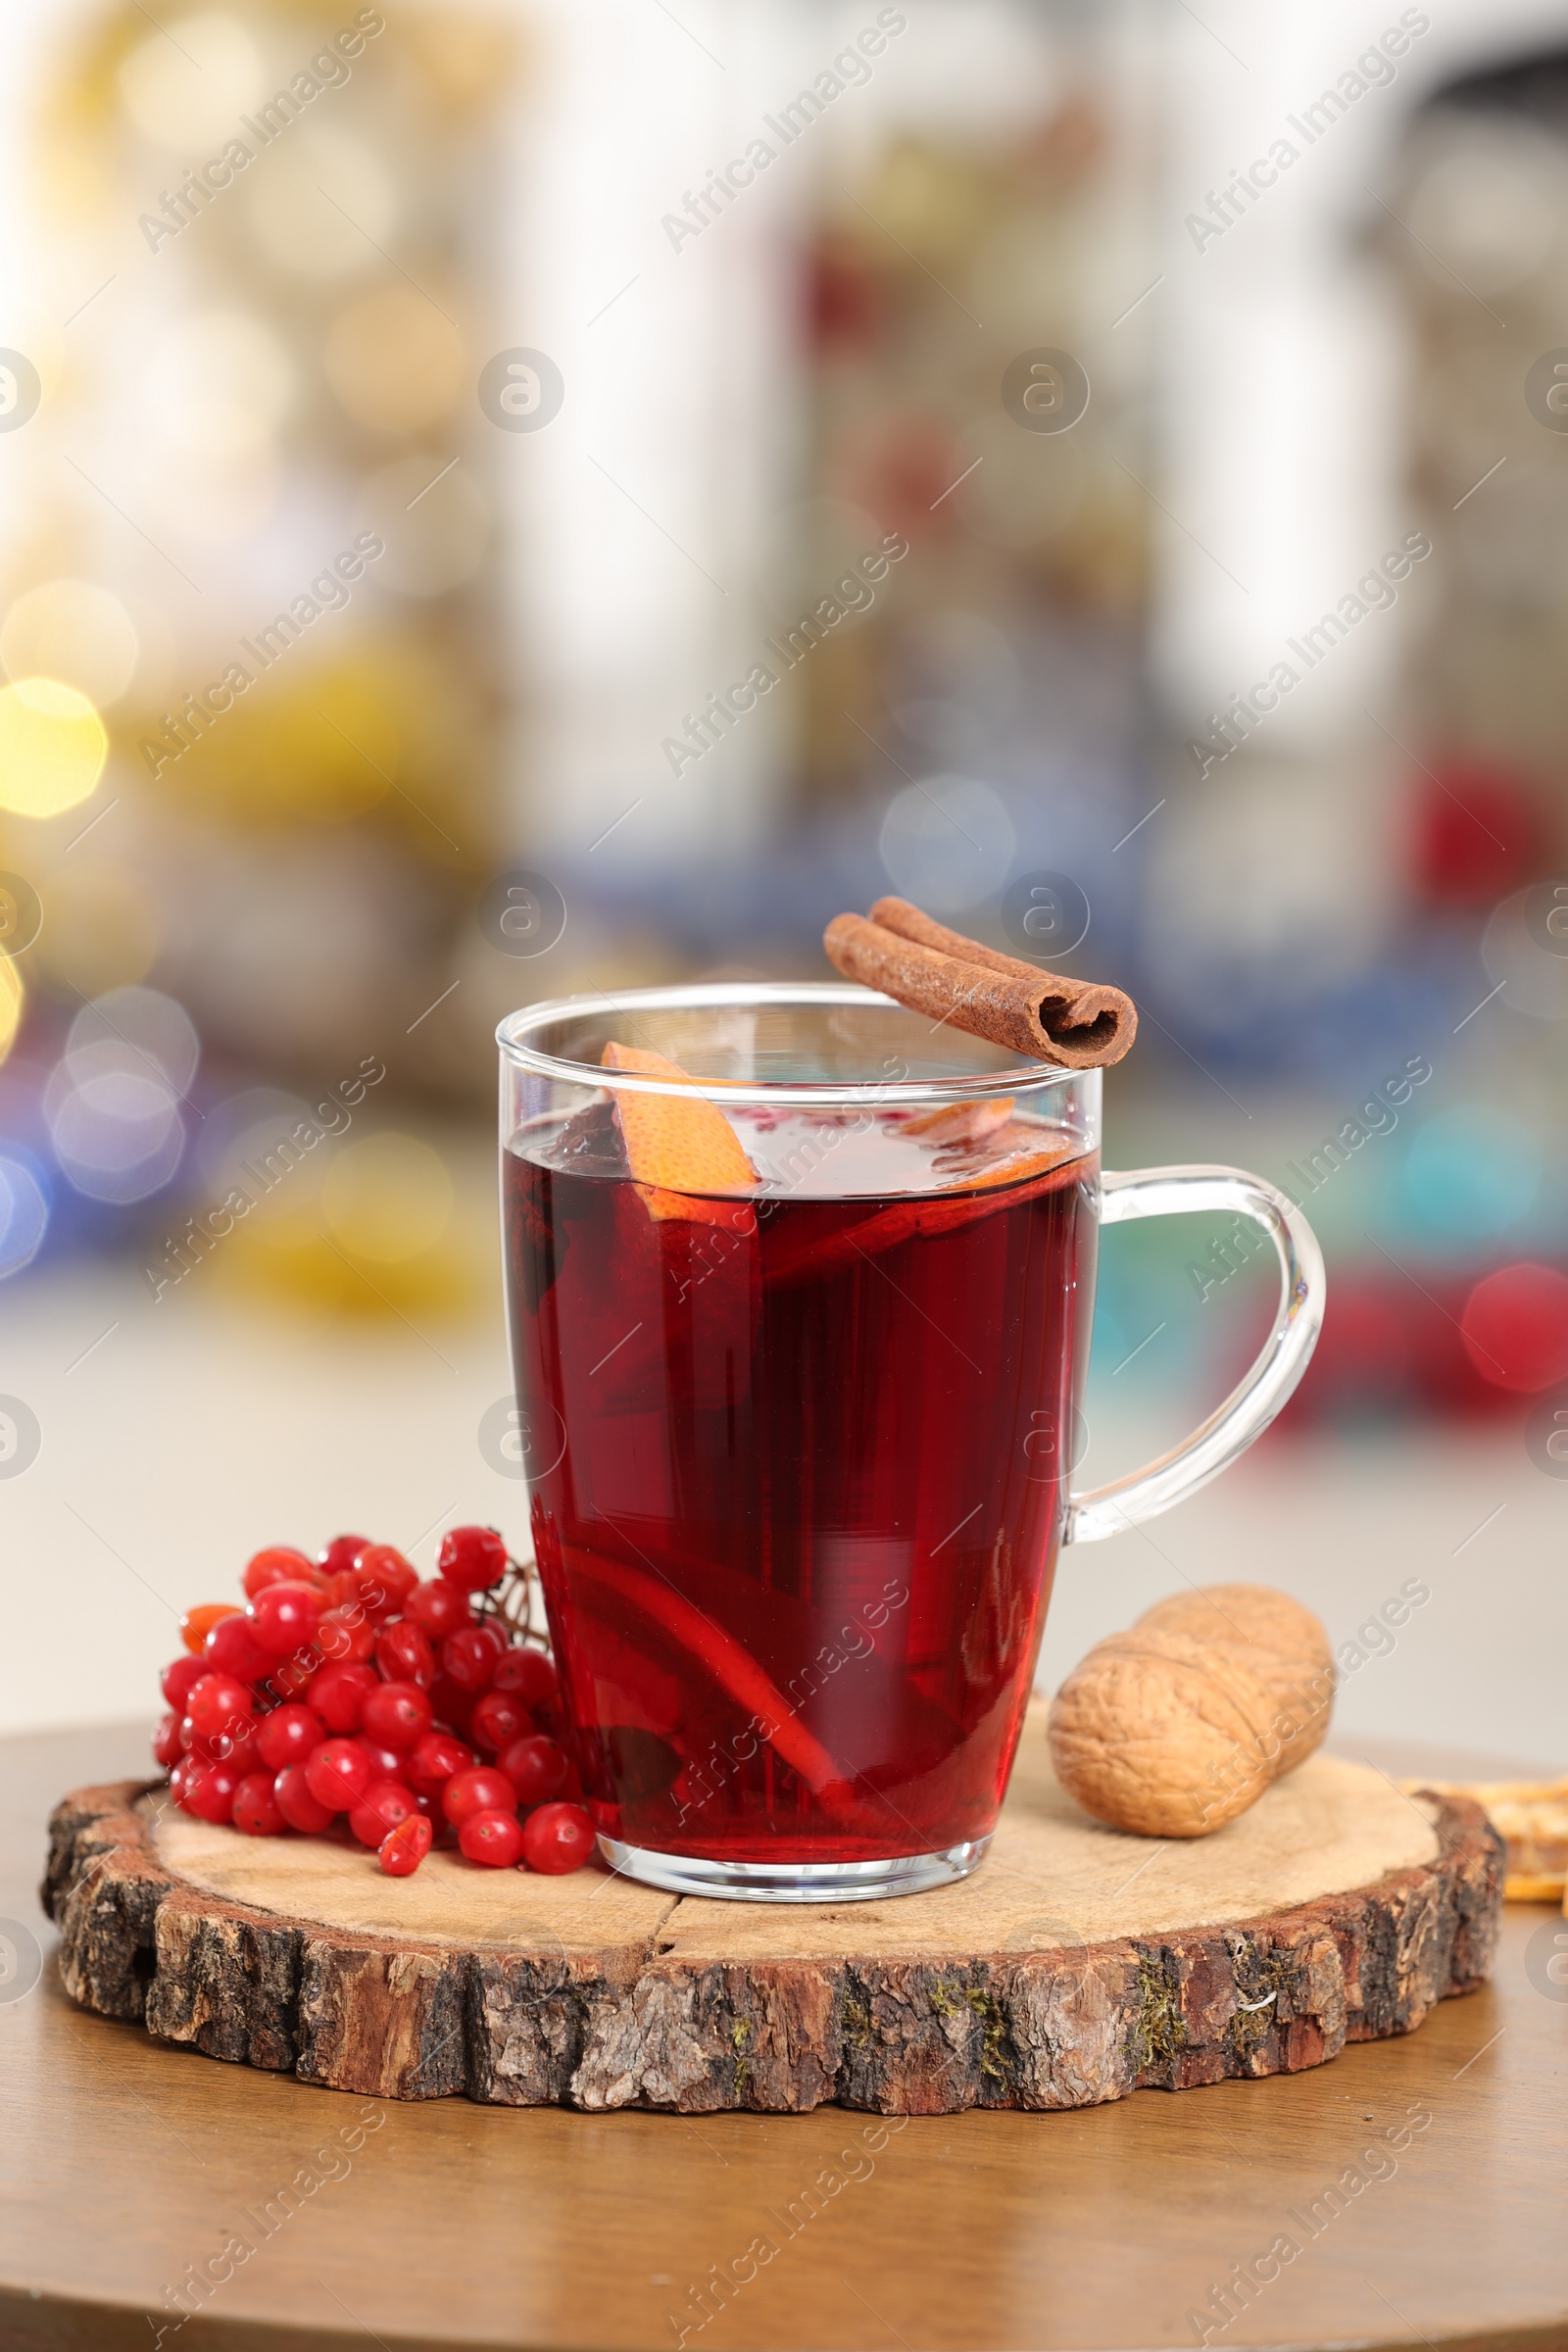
(412, 417)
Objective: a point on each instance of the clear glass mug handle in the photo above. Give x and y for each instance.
(1254, 1403)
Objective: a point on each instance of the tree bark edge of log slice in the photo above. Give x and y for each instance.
(912, 2035)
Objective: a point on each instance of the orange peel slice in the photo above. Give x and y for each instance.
(963, 1122)
(928, 1214)
(679, 1148)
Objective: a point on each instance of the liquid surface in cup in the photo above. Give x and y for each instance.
(798, 1465)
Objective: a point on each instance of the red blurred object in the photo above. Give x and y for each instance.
(1363, 1355)
(1475, 833)
(167, 1747)
(1434, 1341)
(901, 476)
(843, 298)
(1515, 1327)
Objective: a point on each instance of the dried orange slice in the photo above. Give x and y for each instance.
(680, 1148)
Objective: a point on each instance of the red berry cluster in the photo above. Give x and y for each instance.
(346, 1687)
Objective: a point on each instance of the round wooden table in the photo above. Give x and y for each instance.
(1423, 2184)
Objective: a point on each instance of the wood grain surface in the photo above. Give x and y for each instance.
(1076, 1965)
(132, 2177)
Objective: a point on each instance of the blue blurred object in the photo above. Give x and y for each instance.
(23, 1210)
(1472, 1172)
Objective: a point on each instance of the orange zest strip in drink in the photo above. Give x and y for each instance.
(1001, 1187)
(733, 1668)
(679, 1148)
(962, 1122)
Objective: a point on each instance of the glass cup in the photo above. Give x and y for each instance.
(800, 1443)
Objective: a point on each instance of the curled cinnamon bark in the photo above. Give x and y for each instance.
(1078, 1023)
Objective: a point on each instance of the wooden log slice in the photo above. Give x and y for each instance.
(1077, 1965)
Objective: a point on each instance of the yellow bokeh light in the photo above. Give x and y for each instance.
(53, 746)
(185, 84)
(387, 1197)
(10, 1002)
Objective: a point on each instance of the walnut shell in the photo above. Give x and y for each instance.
(1160, 1734)
(1278, 1639)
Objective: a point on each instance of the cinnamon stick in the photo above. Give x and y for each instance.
(1078, 1023)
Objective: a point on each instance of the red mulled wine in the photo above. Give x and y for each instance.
(798, 1465)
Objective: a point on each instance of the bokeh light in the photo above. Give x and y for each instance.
(53, 746)
(152, 1031)
(12, 999)
(116, 1127)
(74, 631)
(393, 362)
(24, 1214)
(112, 1101)
(186, 85)
(323, 206)
(218, 383)
(1473, 1171)
(1515, 1327)
(387, 1197)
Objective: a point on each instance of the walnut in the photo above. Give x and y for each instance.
(1278, 1639)
(1173, 1728)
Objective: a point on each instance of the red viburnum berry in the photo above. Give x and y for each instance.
(557, 1839)
(490, 1835)
(472, 1558)
(404, 1848)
